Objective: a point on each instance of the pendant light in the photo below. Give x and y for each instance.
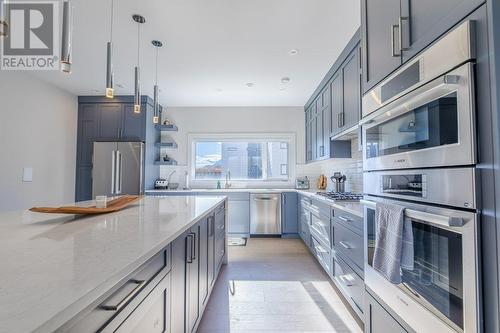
(109, 59)
(137, 91)
(156, 113)
(67, 31)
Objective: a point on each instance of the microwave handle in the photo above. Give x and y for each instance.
(447, 221)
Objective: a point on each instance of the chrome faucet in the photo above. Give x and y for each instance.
(228, 179)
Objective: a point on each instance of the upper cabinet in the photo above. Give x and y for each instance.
(396, 30)
(335, 106)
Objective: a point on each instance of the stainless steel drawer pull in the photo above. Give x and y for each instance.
(130, 295)
(345, 219)
(345, 245)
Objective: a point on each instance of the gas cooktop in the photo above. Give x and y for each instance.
(341, 196)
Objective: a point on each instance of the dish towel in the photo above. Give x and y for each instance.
(393, 242)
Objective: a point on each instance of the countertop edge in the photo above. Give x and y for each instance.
(56, 322)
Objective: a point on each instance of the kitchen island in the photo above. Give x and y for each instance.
(60, 273)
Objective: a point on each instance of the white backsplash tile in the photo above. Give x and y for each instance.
(351, 167)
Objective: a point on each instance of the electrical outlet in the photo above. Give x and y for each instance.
(27, 174)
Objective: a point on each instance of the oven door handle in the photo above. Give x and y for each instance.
(447, 221)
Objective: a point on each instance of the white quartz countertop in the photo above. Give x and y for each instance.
(53, 266)
(352, 207)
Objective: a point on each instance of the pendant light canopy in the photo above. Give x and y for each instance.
(137, 91)
(156, 115)
(67, 31)
(110, 91)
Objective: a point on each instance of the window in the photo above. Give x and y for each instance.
(245, 159)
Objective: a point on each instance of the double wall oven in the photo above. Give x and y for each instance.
(420, 153)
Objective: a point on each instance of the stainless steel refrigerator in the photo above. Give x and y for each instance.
(117, 168)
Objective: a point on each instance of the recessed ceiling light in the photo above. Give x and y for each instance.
(285, 80)
(293, 51)
(250, 84)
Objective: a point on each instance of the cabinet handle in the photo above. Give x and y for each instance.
(193, 257)
(393, 46)
(401, 19)
(345, 219)
(189, 249)
(345, 245)
(130, 295)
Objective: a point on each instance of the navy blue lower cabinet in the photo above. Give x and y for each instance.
(378, 320)
(289, 214)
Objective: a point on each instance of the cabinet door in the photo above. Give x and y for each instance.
(378, 320)
(193, 278)
(178, 276)
(381, 52)
(320, 145)
(308, 135)
(327, 121)
(352, 91)
(83, 183)
(426, 20)
(238, 212)
(110, 121)
(88, 121)
(203, 253)
(289, 211)
(211, 251)
(337, 101)
(153, 314)
(134, 125)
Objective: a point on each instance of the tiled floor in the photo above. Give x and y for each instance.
(274, 285)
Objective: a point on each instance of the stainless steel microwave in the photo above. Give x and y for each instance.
(424, 114)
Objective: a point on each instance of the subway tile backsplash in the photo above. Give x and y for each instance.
(351, 167)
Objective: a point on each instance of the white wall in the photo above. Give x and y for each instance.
(38, 126)
(191, 120)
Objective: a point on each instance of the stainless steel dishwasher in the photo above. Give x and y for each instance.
(265, 214)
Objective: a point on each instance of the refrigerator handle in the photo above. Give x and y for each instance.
(113, 171)
(119, 173)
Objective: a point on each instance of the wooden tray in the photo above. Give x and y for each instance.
(112, 206)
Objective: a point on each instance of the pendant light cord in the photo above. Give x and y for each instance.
(112, 20)
(138, 43)
(157, 49)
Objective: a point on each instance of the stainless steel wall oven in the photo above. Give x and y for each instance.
(420, 153)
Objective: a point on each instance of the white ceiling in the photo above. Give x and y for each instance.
(212, 48)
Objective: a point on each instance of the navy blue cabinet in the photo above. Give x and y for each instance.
(102, 119)
(289, 214)
(393, 31)
(335, 106)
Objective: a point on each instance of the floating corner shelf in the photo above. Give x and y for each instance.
(169, 128)
(166, 163)
(166, 145)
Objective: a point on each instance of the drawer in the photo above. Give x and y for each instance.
(117, 302)
(349, 244)
(349, 282)
(320, 228)
(323, 255)
(305, 216)
(305, 201)
(350, 221)
(320, 208)
(152, 315)
(305, 233)
(220, 210)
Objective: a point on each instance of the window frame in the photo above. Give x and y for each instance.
(289, 138)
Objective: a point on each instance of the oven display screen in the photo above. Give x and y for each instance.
(431, 125)
(407, 185)
(437, 275)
